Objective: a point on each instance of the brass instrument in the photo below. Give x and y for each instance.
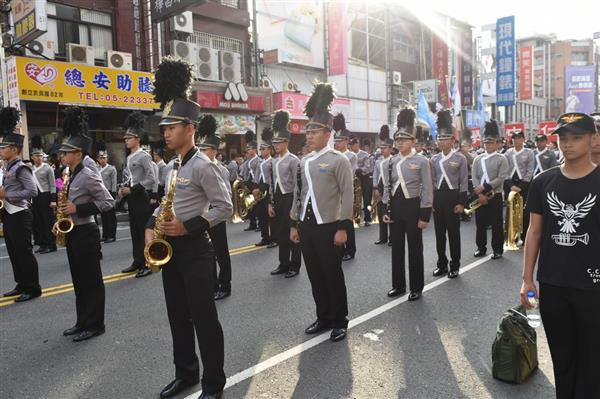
(244, 200)
(514, 220)
(1, 204)
(235, 200)
(158, 251)
(373, 210)
(357, 200)
(64, 223)
(474, 205)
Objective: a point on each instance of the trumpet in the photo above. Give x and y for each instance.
(64, 223)
(474, 205)
(158, 251)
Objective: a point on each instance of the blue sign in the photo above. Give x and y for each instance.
(475, 119)
(505, 61)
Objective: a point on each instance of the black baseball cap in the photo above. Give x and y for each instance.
(576, 122)
(540, 137)
(518, 134)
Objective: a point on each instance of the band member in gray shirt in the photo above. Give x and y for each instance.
(544, 158)
(109, 178)
(43, 204)
(364, 172)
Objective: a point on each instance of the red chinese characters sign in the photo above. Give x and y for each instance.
(338, 47)
(546, 128)
(526, 72)
(216, 101)
(439, 51)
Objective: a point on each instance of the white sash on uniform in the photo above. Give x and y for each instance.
(37, 183)
(401, 181)
(485, 178)
(515, 164)
(538, 164)
(444, 174)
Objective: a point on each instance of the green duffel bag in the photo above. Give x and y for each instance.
(514, 351)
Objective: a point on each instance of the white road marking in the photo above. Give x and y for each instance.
(303, 347)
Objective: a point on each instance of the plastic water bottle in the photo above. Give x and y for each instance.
(533, 315)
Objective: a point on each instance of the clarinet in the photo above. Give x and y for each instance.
(388, 207)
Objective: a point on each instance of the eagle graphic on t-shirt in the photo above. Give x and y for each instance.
(569, 215)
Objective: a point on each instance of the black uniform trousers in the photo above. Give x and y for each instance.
(384, 228)
(17, 236)
(366, 188)
(446, 221)
(83, 253)
(323, 262)
(188, 282)
(405, 214)
(289, 252)
(139, 212)
(524, 191)
(572, 326)
(109, 222)
(43, 220)
(490, 214)
(218, 237)
(262, 213)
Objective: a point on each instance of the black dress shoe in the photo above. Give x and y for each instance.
(367, 224)
(72, 331)
(338, 334)
(389, 244)
(109, 240)
(174, 387)
(279, 270)
(413, 296)
(272, 244)
(88, 334)
(27, 297)
(262, 243)
(40, 249)
(317, 327)
(257, 230)
(497, 255)
(221, 295)
(216, 395)
(347, 257)
(143, 272)
(45, 250)
(439, 272)
(479, 253)
(453, 274)
(394, 292)
(131, 268)
(250, 228)
(380, 242)
(291, 273)
(103, 239)
(14, 292)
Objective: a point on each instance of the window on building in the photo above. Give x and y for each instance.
(68, 24)
(367, 34)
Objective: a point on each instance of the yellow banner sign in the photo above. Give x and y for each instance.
(55, 81)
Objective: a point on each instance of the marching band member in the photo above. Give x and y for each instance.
(380, 176)
(285, 167)
(409, 197)
(490, 169)
(86, 196)
(250, 174)
(364, 172)
(45, 201)
(158, 153)
(201, 201)
(341, 139)
(544, 158)
(16, 190)
(450, 178)
(322, 211)
(263, 185)
(109, 178)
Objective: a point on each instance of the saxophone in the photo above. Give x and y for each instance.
(357, 202)
(64, 223)
(158, 251)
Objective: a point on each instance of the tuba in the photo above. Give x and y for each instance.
(474, 205)
(235, 199)
(64, 223)
(514, 220)
(357, 200)
(158, 251)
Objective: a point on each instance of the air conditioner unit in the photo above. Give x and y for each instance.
(80, 54)
(119, 60)
(290, 86)
(265, 83)
(184, 51)
(396, 78)
(230, 66)
(207, 63)
(42, 45)
(183, 22)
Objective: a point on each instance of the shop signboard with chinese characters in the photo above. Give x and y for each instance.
(163, 9)
(546, 128)
(294, 103)
(505, 61)
(78, 84)
(512, 128)
(29, 19)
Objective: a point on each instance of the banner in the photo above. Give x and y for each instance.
(526, 73)
(163, 9)
(29, 19)
(337, 38)
(580, 87)
(294, 103)
(35, 79)
(474, 119)
(466, 69)
(505, 61)
(294, 28)
(234, 124)
(511, 128)
(429, 88)
(439, 53)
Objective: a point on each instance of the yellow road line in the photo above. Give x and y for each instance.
(64, 288)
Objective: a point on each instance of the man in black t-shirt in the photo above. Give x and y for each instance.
(564, 204)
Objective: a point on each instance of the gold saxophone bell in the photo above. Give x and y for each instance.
(158, 252)
(64, 225)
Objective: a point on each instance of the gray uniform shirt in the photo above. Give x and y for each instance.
(224, 175)
(353, 160)
(285, 172)
(265, 171)
(89, 163)
(412, 175)
(141, 170)
(544, 160)
(19, 185)
(161, 172)
(327, 183)
(490, 171)
(451, 168)
(363, 162)
(380, 174)
(45, 178)
(520, 163)
(253, 169)
(200, 183)
(86, 187)
(109, 178)
(232, 167)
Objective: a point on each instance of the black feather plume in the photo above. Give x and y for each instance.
(491, 129)
(207, 126)
(135, 121)
(75, 122)
(267, 135)
(406, 119)
(444, 120)
(36, 142)
(144, 140)
(339, 122)
(249, 136)
(100, 146)
(281, 119)
(320, 100)
(172, 79)
(9, 118)
(384, 133)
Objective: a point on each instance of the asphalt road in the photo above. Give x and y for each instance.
(438, 347)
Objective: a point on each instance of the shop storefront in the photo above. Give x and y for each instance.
(42, 89)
